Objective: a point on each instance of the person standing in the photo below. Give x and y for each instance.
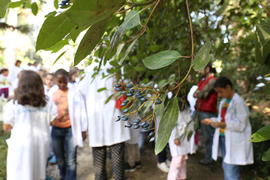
(4, 84)
(232, 130)
(206, 105)
(28, 117)
(69, 127)
(104, 132)
(13, 77)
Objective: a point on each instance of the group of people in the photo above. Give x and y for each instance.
(224, 131)
(53, 113)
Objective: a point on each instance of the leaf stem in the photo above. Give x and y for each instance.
(192, 49)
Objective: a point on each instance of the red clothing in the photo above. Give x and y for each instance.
(210, 103)
(119, 101)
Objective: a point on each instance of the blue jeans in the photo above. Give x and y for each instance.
(231, 172)
(208, 134)
(65, 152)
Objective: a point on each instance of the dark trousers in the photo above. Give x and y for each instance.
(99, 156)
(65, 152)
(162, 156)
(208, 134)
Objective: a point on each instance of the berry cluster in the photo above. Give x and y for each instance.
(139, 100)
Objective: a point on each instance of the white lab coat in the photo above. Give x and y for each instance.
(134, 133)
(186, 147)
(28, 145)
(239, 150)
(77, 114)
(103, 130)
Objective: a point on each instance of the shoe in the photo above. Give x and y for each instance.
(138, 164)
(129, 168)
(163, 167)
(205, 162)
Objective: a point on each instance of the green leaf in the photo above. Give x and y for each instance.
(131, 20)
(109, 98)
(15, 4)
(59, 45)
(101, 89)
(3, 7)
(166, 125)
(90, 40)
(127, 51)
(89, 12)
(56, 4)
(161, 59)
(262, 134)
(59, 57)
(34, 8)
(163, 83)
(202, 57)
(75, 32)
(54, 29)
(266, 155)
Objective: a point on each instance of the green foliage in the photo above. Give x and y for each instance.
(53, 30)
(34, 8)
(132, 20)
(161, 59)
(90, 40)
(167, 123)
(3, 7)
(262, 134)
(203, 57)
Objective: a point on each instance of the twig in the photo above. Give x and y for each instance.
(192, 49)
(147, 21)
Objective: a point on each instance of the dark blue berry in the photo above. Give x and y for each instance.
(126, 101)
(128, 125)
(129, 94)
(152, 139)
(118, 118)
(132, 91)
(117, 86)
(124, 118)
(151, 134)
(136, 121)
(129, 85)
(146, 126)
(143, 99)
(136, 126)
(118, 89)
(142, 124)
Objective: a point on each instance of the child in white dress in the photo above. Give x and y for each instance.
(181, 144)
(27, 117)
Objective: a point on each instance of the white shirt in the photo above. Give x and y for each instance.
(239, 149)
(102, 128)
(29, 141)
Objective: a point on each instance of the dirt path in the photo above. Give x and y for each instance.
(149, 171)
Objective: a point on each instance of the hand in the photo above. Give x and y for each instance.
(7, 127)
(206, 121)
(218, 125)
(84, 135)
(177, 142)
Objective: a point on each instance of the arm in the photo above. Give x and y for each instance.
(206, 90)
(241, 117)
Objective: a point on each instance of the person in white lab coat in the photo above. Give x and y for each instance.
(233, 131)
(28, 118)
(13, 75)
(69, 127)
(103, 130)
(180, 144)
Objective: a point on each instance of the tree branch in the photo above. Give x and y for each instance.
(140, 4)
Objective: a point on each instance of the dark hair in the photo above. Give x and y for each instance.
(3, 70)
(61, 72)
(211, 68)
(18, 62)
(223, 82)
(30, 90)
